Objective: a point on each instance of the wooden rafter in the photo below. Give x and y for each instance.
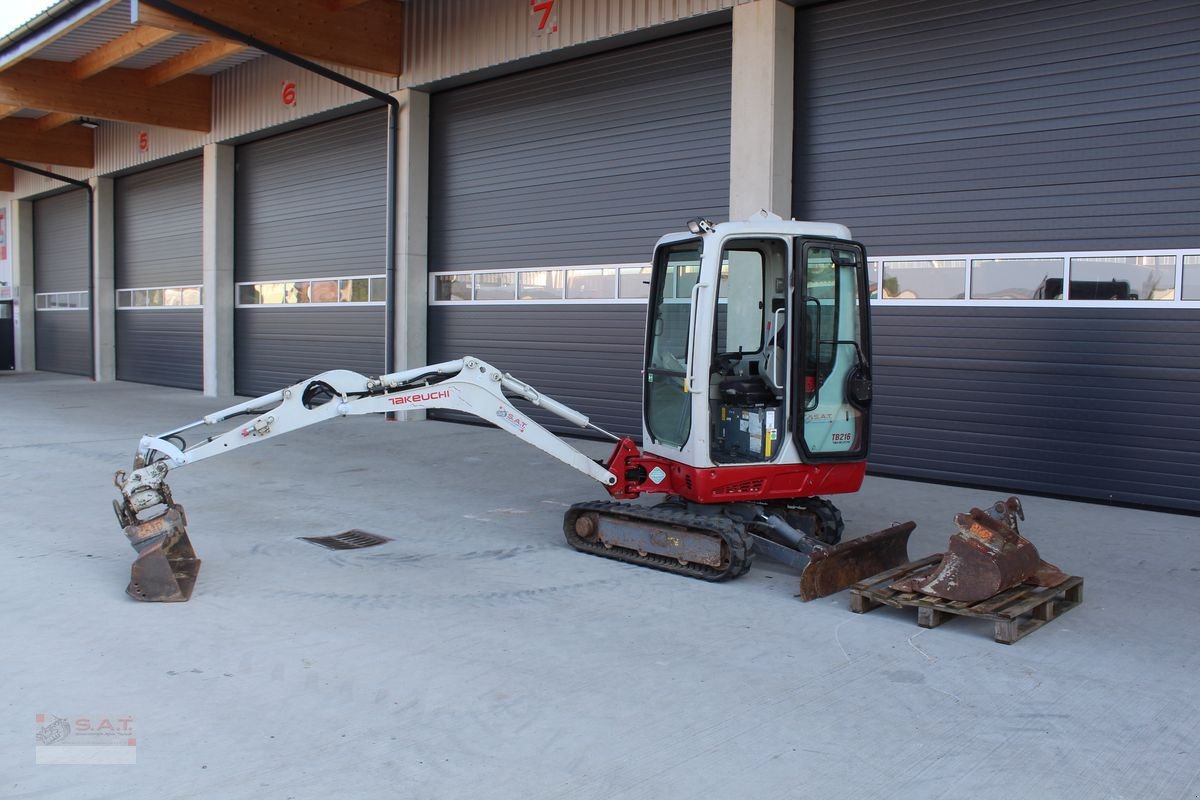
(68, 146)
(8, 111)
(366, 35)
(118, 94)
(120, 49)
(55, 120)
(8, 180)
(184, 63)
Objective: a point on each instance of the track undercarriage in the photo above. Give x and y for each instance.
(719, 542)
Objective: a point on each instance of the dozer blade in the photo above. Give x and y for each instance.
(166, 567)
(985, 557)
(834, 568)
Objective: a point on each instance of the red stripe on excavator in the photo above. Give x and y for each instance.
(635, 472)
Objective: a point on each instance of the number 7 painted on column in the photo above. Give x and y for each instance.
(546, 6)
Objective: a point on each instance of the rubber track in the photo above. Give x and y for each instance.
(737, 542)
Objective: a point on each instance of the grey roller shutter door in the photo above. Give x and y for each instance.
(310, 204)
(60, 256)
(585, 162)
(158, 220)
(992, 127)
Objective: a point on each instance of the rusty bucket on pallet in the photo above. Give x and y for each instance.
(986, 556)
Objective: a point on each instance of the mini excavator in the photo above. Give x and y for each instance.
(756, 402)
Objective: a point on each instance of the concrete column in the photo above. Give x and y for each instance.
(217, 258)
(412, 234)
(21, 240)
(760, 162)
(103, 299)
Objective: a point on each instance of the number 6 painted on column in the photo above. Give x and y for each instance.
(288, 93)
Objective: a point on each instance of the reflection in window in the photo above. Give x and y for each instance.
(591, 284)
(633, 282)
(452, 287)
(1191, 277)
(1122, 278)
(873, 279)
(1016, 278)
(542, 284)
(354, 290)
(940, 279)
(323, 292)
(308, 292)
(60, 301)
(495, 286)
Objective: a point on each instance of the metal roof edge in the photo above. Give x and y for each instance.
(47, 25)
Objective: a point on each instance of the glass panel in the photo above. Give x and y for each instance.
(668, 405)
(248, 295)
(154, 297)
(296, 292)
(750, 364)
(81, 299)
(192, 295)
(1016, 278)
(5, 310)
(873, 279)
(940, 279)
(1191, 277)
(124, 299)
(834, 418)
(544, 284)
(355, 290)
(495, 286)
(140, 298)
(1122, 278)
(41, 301)
(324, 291)
(591, 284)
(633, 282)
(173, 297)
(272, 293)
(452, 287)
(378, 290)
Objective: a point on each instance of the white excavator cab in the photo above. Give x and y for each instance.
(756, 346)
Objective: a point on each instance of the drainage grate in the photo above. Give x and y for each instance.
(349, 540)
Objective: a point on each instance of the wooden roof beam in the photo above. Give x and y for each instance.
(8, 111)
(366, 35)
(68, 146)
(8, 178)
(120, 49)
(184, 63)
(54, 120)
(117, 94)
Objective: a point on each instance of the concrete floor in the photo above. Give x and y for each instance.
(476, 655)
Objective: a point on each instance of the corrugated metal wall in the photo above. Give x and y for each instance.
(310, 204)
(973, 125)
(1083, 402)
(444, 38)
(938, 127)
(60, 258)
(157, 220)
(162, 346)
(278, 346)
(584, 162)
(587, 356)
(589, 161)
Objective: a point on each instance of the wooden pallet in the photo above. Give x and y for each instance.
(1016, 612)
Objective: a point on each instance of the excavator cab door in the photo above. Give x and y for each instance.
(830, 351)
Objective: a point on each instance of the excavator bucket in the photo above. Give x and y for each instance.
(986, 556)
(834, 568)
(166, 566)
